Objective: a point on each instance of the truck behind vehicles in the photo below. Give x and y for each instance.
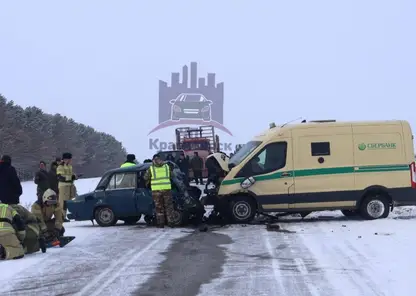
(361, 168)
(201, 139)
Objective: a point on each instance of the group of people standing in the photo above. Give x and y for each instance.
(196, 165)
(23, 231)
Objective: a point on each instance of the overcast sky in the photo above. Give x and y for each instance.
(99, 61)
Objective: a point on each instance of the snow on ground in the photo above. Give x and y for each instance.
(324, 254)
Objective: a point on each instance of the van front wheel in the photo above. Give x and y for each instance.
(242, 209)
(375, 206)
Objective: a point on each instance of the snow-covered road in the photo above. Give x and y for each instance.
(327, 255)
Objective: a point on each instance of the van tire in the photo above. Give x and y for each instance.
(242, 209)
(375, 206)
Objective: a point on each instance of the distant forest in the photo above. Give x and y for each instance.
(30, 135)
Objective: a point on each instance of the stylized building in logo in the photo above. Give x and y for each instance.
(200, 102)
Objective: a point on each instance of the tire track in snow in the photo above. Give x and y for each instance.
(345, 266)
(267, 263)
(67, 271)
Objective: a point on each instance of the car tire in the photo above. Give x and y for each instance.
(242, 209)
(375, 206)
(179, 217)
(105, 217)
(350, 213)
(132, 220)
(150, 220)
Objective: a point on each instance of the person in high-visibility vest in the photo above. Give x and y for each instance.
(131, 160)
(12, 233)
(159, 174)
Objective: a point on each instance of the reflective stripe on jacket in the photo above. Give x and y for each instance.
(160, 178)
(64, 174)
(7, 214)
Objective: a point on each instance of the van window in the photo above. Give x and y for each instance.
(271, 158)
(243, 152)
(320, 149)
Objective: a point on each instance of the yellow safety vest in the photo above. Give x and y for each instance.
(127, 164)
(66, 172)
(7, 214)
(160, 177)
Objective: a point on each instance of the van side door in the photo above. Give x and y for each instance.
(324, 169)
(272, 168)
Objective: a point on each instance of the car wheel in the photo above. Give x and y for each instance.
(178, 217)
(350, 213)
(105, 216)
(132, 220)
(375, 206)
(150, 220)
(242, 209)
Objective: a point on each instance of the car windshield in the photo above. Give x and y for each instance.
(244, 151)
(103, 182)
(196, 145)
(194, 98)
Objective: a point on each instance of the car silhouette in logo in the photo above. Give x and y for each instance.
(191, 106)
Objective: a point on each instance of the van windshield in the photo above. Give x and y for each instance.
(244, 152)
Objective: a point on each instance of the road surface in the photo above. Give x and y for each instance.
(334, 257)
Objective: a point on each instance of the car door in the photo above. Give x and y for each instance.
(143, 196)
(120, 194)
(272, 170)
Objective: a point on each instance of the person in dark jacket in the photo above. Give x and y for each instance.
(183, 165)
(42, 180)
(53, 178)
(10, 187)
(197, 165)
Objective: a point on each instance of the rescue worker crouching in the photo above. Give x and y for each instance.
(158, 175)
(34, 241)
(51, 228)
(66, 178)
(12, 233)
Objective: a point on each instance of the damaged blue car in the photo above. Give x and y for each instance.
(122, 194)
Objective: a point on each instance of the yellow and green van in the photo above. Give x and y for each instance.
(361, 168)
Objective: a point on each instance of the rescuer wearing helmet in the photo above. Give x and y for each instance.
(12, 233)
(130, 161)
(159, 174)
(49, 214)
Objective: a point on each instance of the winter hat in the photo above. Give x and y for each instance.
(131, 157)
(157, 155)
(67, 155)
(6, 159)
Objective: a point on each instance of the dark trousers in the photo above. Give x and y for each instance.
(198, 177)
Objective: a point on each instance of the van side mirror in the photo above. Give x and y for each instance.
(248, 182)
(100, 188)
(89, 197)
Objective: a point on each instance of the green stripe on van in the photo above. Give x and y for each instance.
(327, 171)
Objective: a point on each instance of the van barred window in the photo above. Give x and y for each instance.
(320, 149)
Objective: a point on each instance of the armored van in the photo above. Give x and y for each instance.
(361, 168)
